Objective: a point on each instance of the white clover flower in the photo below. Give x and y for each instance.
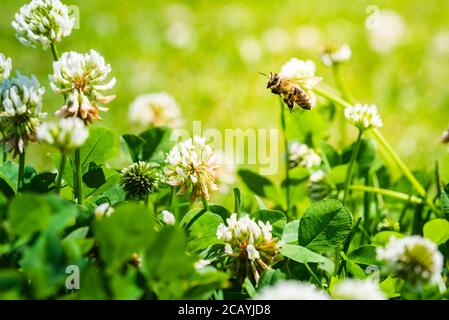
(168, 217)
(65, 135)
(5, 67)
(336, 54)
(440, 43)
(301, 155)
(363, 116)
(228, 248)
(180, 34)
(43, 22)
(292, 290)
(82, 78)
(200, 264)
(317, 176)
(300, 69)
(353, 289)
(413, 258)
(103, 210)
(155, 110)
(276, 40)
(192, 166)
(386, 30)
(308, 37)
(249, 244)
(21, 99)
(250, 50)
(388, 223)
(252, 252)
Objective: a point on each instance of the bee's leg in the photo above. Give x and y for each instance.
(289, 102)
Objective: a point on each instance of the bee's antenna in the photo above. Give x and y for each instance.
(264, 74)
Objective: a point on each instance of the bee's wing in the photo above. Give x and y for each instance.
(308, 81)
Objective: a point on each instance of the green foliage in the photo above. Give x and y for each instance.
(201, 227)
(9, 172)
(276, 218)
(324, 226)
(260, 185)
(129, 230)
(437, 230)
(151, 145)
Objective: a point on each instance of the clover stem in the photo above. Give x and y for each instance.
(351, 165)
(205, 204)
(61, 172)
(21, 170)
(386, 192)
(347, 244)
(314, 276)
(387, 147)
(173, 204)
(54, 51)
(287, 171)
(77, 177)
(4, 153)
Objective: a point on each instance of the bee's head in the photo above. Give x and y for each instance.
(273, 80)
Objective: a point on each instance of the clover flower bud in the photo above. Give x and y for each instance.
(66, 135)
(5, 67)
(168, 217)
(139, 180)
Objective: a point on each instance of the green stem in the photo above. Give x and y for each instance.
(389, 193)
(172, 197)
(314, 276)
(375, 180)
(173, 204)
(287, 171)
(205, 204)
(78, 184)
(4, 154)
(402, 166)
(61, 172)
(348, 243)
(351, 165)
(366, 205)
(384, 143)
(54, 51)
(21, 170)
(333, 97)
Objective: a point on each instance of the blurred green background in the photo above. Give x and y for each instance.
(207, 54)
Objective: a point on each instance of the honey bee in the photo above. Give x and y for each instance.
(291, 90)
